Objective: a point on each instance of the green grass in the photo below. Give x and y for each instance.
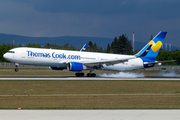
(90, 94)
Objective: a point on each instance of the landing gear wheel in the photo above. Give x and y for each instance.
(91, 75)
(79, 74)
(16, 69)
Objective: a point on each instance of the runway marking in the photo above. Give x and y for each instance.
(95, 116)
(84, 78)
(159, 94)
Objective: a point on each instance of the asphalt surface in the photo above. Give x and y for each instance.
(136, 114)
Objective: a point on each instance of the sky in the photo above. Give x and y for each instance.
(92, 18)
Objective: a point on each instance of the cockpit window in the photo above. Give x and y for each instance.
(11, 52)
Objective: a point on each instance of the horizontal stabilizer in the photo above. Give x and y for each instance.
(146, 63)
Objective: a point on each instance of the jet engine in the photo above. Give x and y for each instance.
(55, 68)
(75, 66)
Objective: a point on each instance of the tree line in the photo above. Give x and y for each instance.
(120, 45)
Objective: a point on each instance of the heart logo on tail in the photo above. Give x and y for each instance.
(156, 46)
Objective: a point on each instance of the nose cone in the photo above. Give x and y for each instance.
(5, 56)
(9, 56)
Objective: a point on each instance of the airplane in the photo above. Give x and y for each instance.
(78, 61)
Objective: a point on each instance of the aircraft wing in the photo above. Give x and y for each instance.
(99, 63)
(146, 63)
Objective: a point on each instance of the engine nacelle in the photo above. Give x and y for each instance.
(75, 66)
(55, 68)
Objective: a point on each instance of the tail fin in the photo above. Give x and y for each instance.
(84, 47)
(151, 50)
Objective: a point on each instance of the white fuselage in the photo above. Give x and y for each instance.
(60, 58)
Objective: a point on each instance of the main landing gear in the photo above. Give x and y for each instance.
(91, 75)
(88, 74)
(81, 74)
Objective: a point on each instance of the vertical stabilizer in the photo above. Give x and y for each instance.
(84, 47)
(151, 50)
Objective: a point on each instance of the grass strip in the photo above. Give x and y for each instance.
(162, 94)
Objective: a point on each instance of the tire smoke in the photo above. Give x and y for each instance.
(122, 74)
(170, 74)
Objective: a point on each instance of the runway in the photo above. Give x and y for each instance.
(136, 114)
(87, 78)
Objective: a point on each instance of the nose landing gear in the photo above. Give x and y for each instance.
(16, 69)
(16, 65)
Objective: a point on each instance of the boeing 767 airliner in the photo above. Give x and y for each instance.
(78, 61)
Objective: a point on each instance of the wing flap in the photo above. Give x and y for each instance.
(106, 62)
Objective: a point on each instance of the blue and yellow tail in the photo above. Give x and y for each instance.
(84, 47)
(151, 50)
